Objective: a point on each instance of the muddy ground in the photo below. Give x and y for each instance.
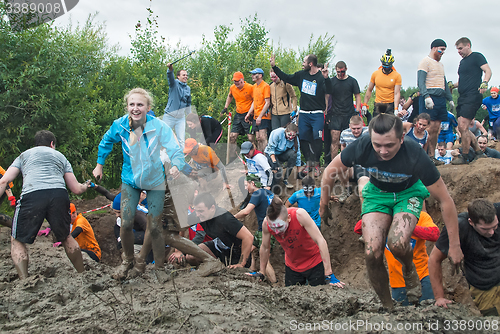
(55, 299)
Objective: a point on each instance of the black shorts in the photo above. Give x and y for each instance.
(338, 122)
(439, 112)
(34, 207)
(239, 125)
(265, 124)
(468, 105)
(314, 276)
(225, 255)
(383, 108)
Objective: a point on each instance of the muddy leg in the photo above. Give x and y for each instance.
(398, 241)
(209, 265)
(19, 255)
(129, 200)
(74, 253)
(375, 228)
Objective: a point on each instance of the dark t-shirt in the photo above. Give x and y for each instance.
(222, 226)
(481, 254)
(261, 199)
(312, 88)
(210, 128)
(470, 73)
(492, 153)
(342, 92)
(409, 165)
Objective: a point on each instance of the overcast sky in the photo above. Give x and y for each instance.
(363, 29)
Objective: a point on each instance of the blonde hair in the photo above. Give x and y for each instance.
(142, 92)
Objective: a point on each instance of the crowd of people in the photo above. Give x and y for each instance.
(390, 155)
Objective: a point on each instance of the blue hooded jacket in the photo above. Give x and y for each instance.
(142, 167)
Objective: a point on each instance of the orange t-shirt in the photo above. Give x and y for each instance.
(243, 97)
(384, 85)
(2, 171)
(206, 157)
(86, 239)
(260, 94)
(420, 257)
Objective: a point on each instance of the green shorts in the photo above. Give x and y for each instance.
(257, 239)
(409, 200)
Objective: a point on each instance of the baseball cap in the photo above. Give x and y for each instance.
(257, 70)
(189, 144)
(246, 147)
(493, 89)
(238, 76)
(72, 208)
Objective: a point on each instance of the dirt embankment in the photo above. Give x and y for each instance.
(55, 299)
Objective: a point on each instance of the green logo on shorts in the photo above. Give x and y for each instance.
(413, 204)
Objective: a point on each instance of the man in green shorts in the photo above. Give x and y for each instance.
(401, 177)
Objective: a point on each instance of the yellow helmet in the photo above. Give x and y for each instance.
(387, 59)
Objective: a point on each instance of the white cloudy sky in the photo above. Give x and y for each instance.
(363, 29)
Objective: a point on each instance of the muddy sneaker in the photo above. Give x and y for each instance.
(161, 275)
(460, 160)
(344, 196)
(303, 173)
(317, 171)
(138, 270)
(437, 162)
(288, 185)
(120, 273)
(208, 268)
(413, 287)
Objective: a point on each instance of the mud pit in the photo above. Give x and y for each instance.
(55, 299)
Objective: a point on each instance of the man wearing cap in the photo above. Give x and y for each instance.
(243, 97)
(387, 83)
(179, 101)
(313, 87)
(207, 163)
(261, 123)
(257, 164)
(434, 92)
(492, 104)
(471, 89)
(283, 101)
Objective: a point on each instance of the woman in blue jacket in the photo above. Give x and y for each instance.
(142, 136)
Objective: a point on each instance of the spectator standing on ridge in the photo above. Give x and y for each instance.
(179, 103)
(387, 83)
(283, 102)
(471, 86)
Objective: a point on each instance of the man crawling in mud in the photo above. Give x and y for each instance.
(401, 177)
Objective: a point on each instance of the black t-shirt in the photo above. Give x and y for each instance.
(223, 226)
(492, 153)
(470, 73)
(481, 254)
(409, 165)
(210, 128)
(312, 88)
(261, 199)
(342, 92)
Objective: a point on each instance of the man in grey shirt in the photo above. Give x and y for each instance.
(46, 172)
